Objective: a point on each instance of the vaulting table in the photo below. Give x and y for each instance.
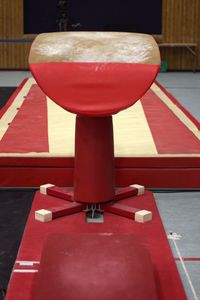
(95, 75)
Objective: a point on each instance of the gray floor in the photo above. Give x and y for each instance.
(13, 78)
(180, 211)
(185, 87)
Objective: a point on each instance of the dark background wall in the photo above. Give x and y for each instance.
(180, 24)
(123, 15)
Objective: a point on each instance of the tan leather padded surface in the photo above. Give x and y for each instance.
(95, 47)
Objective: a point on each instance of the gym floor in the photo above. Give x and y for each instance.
(179, 210)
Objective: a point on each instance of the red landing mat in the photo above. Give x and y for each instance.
(157, 142)
(24, 276)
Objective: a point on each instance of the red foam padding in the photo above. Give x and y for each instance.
(95, 266)
(168, 283)
(120, 162)
(149, 177)
(159, 177)
(94, 89)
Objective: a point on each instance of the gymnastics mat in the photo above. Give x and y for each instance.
(24, 276)
(157, 142)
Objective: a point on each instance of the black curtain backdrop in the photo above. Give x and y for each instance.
(114, 15)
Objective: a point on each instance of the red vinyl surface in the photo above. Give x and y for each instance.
(150, 177)
(96, 266)
(94, 89)
(168, 282)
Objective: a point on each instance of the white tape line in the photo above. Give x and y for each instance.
(25, 271)
(26, 262)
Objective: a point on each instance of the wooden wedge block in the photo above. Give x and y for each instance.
(130, 191)
(44, 187)
(140, 188)
(143, 216)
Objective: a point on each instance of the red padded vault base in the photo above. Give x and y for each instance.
(100, 266)
(25, 273)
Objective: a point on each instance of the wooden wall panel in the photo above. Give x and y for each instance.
(181, 23)
(11, 16)
(14, 55)
(180, 18)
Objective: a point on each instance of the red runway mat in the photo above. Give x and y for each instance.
(157, 142)
(24, 275)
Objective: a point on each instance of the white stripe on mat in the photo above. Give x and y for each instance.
(27, 262)
(25, 271)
